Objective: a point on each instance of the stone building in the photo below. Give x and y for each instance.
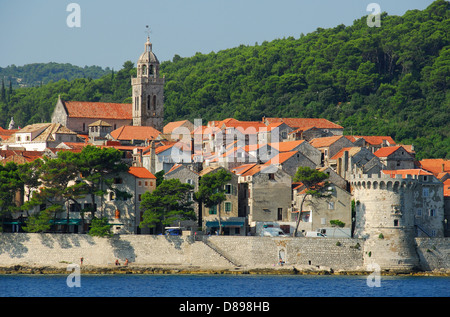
(188, 176)
(394, 208)
(78, 115)
(39, 136)
(317, 213)
(227, 214)
(395, 158)
(148, 91)
(329, 146)
(267, 197)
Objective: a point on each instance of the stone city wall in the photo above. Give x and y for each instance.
(338, 254)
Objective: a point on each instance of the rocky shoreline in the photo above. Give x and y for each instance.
(168, 269)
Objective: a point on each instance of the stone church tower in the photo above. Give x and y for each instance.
(148, 91)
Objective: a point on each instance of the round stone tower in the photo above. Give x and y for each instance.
(385, 219)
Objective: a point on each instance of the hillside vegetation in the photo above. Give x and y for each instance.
(392, 80)
(42, 73)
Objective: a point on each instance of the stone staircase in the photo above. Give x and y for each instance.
(221, 253)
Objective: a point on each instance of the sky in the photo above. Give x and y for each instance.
(114, 31)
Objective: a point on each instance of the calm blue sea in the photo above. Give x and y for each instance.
(221, 286)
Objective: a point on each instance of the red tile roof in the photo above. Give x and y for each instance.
(281, 157)
(326, 141)
(141, 172)
(447, 188)
(168, 128)
(388, 150)
(435, 166)
(305, 122)
(371, 139)
(135, 133)
(242, 168)
(104, 110)
(286, 146)
(405, 172)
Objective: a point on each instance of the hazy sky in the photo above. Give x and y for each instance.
(113, 31)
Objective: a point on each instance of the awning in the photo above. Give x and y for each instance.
(75, 222)
(225, 224)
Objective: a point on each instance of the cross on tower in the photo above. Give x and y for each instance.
(148, 31)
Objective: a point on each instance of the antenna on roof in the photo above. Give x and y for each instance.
(148, 31)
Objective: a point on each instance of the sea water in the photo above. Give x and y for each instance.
(133, 285)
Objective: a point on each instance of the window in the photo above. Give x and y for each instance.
(322, 221)
(280, 214)
(331, 205)
(228, 189)
(432, 212)
(118, 180)
(190, 181)
(271, 176)
(396, 223)
(139, 183)
(148, 102)
(425, 178)
(145, 183)
(18, 139)
(139, 197)
(419, 212)
(425, 192)
(213, 210)
(228, 206)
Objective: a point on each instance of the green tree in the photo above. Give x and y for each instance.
(211, 190)
(59, 186)
(169, 202)
(315, 184)
(100, 227)
(10, 186)
(38, 222)
(98, 168)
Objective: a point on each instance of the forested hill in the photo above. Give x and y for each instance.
(41, 73)
(389, 80)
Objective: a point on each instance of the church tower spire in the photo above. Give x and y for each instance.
(148, 91)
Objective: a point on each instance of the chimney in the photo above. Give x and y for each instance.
(345, 164)
(152, 157)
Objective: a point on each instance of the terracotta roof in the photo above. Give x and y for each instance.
(141, 172)
(5, 134)
(168, 128)
(28, 156)
(135, 133)
(326, 141)
(100, 123)
(388, 150)
(435, 166)
(220, 123)
(256, 169)
(286, 146)
(371, 139)
(305, 122)
(447, 188)
(351, 151)
(405, 172)
(242, 168)
(281, 157)
(104, 110)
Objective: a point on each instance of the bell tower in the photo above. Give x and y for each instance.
(148, 91)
